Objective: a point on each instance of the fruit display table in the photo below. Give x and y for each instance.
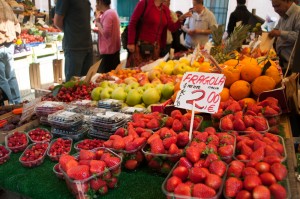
(40, 182)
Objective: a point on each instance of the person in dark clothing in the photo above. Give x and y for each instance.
(240, 13)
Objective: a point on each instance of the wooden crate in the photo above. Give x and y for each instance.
(35, 76)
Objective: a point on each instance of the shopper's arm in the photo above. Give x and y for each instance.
(59, 21)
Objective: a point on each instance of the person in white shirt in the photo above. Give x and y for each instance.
(198, 27)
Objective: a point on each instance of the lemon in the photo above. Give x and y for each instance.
(19, 42)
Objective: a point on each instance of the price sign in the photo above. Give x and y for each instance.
(203, 89)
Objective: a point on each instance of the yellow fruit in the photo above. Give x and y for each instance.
(273, 72)
(232, 74)
(205, 67)
(250, 71)
(240, 90)
(184, 60)
(19, 42)
(261, 84)
(224, 94)
(231, 62)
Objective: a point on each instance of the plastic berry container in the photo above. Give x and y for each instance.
(16, 141)
(48, 107)
(4, 154)
(79, 188)
(74, 135)
(58, 147)
(34, 154)
(39, 135)
(57, 172)
(88, 144)
(66, 120)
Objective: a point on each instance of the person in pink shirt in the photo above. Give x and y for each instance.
(151, 35)
(109, 42)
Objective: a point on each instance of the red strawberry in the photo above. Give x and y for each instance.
(118, 144)
(232, 186)
(97, 166)
(79, 172)
(210, 130)
(258, 144)
(174, 149)
(217, 167)
(225, 151)
(131, 164)
(260, 124)
(153, 137)
(256, 135)
(262, 167)
(168, 141)
(181, 172)
(261, 192)
(202, 191)
(84, 162)
(154, 163)
(172, 183)
(146, 134)
(250, 112)
(182, 139)
(183, 161)
(226, 139)
(218, 115)
(112, 161)
(278, 147)
(238, 115)
(226, 124)
(243, 195)
(246, 150)
(235, 169)
(270, 151)
(86, 155)
(108, 143)
(209, 159)
(197, 175)
(200, 136)
(176, 114)
(213, 139)
(183, 190)
(267, 140)
(214, 181)
(211, 148)
(157, 147)
(251, 181)
(249, 171)
(67, 161)
(258, 155)
(267, 179)
(234, 107)
(164, 132)
(279, 171)
(255, 108)
(121, 132)
(268, 111)
(153, 124)
(278, 191)
(112, 183)
(127, 139)
(200, 164)
(177, 125)
(272, 159)
(97, 183)
(239, 125)
(137, 142)
(169, 121)
(273, 137)
(193, 154)
(248, 120)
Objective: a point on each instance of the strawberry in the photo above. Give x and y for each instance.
(273, 137)
(256, 135)
(217, 167)
(154, 136)
(168, 141)
(218, 115)
(193, 154)
(112, 161)
(226, 124)
(226, 139)
(181, 172)
(258, 155)
(200, 136)
(270, 151)
(112, 183)
(279, 171)
(235, 169)
(118, 144)
(130, 146)
(84, 162)
(213, 139)
(248, 121)
(250, 112)
(272, 159)
(214, 181)
(183, 190)
(258, 144)
(262, 167)
(197, 175)
(86, 155)
(157, 147)
(183, 161)
(108, 143)
(246, 150)
(169, 121)
(176, 114)
(137, 142)
(127, 139)
(232, 186)
(172, 183)
(209, 159)
(177, 125)
(278, 191)
(278, 147)
(210, 130)
(267, 140)
(97, 183)
(238, 115)
(244, 194)
(67, 161)
(268, 111)
(267, 178)
(146, 134)
(225, 151)
(153, 124)
(251, 163)
(182, 139)
(203, 191)
(131, 164)
(173, 149)
(251, 181)
(121, 132)
(103, 190)
(97, 166)
(249, 171)
(260, 124)
(261, 192)
(79, 172)
(211, 148)
(234, 107)
(255, 108)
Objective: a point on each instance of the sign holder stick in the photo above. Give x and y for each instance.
(192, 122)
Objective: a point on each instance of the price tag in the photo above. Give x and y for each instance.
(20, 18)
(28, 109)
(203, 88)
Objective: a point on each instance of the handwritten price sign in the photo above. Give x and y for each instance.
(203, 88)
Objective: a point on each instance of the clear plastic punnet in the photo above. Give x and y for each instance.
(48, 107)
(34, 154)
(16, 141)
(38, 135)
(112, 104)
(66, 120)
(4, 154)
(58, 147)
(74, 135)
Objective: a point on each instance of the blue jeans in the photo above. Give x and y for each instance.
(77, 62)
(8, 80)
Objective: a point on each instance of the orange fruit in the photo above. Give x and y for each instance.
(224, 94)
(232, 74)
(273, 72)
(249, 100)
(232, 62)
(250, 71)
(240, 89)
(262, 83)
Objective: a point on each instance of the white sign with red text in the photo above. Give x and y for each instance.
(203, 88)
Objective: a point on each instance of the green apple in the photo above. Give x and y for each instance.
(133, 97)
(154, 73)
(151, 96)
(123, 85)
(167, 90)
(156, 81)
(140, 89)
(179, 68)
(168, 68)
(104, 84)
(106, 93)
(147, 85)
(113, 85)
(119, 94)
(132, 85)
(159, 87)
(96, 93)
